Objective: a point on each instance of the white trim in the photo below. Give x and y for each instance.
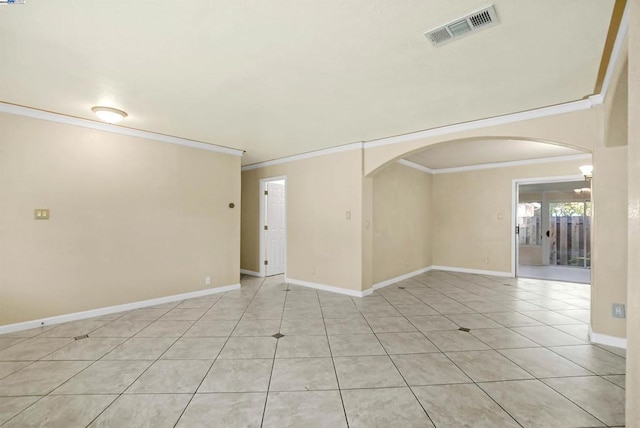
(513, 163)
(85, 123)
(309, 155)
(604, 339)
(263, 244)
(615, 53)
(401, 278)
(474, 271)
(330, 288)
(515, 184)
(113, 309)
(415, 166)
(515, 249)
(252, 273)
(484, 123)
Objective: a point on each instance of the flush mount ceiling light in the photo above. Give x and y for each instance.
(108, 114)
(587, 171)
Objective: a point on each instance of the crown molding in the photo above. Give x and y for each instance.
(309, 155)
(114, 129)
(415, 166)
(512, 163)
(573, 106)
(485, 123)
(615, 52)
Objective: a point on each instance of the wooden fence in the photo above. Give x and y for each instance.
(570, 239)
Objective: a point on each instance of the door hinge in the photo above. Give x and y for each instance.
(517, 230)
(266, 262)
(266, 192)
(266, 227)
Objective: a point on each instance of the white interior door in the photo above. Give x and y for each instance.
(275, 227)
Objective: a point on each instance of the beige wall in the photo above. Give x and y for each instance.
(131, 219)
(609, 238)
(609, 227)
(402, 221)
(633, 291)
(472, 214)
(323, 246)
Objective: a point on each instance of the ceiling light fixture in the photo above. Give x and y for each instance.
(587, 171)
(108, 114)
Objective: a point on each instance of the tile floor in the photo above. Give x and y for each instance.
(393, 359)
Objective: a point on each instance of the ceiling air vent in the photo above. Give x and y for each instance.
(464, 26)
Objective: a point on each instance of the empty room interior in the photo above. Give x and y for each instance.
(319, 213)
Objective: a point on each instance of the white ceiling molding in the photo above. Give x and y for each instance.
(84, 123)
(415, 166)
(512, 163)
(484, 123)
(615, 53)
(315, 154)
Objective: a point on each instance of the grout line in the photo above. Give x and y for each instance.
(396, 366)
(275, 351)
(462, 371)
(333, 362)
(163, 353)
(153, 361)
(221, 348)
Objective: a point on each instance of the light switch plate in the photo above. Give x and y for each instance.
(41, 213)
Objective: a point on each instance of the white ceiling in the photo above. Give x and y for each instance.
(284, 77)
(478, 152)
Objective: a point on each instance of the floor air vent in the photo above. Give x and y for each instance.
(464, 26)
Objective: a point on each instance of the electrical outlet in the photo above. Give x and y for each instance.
(617, 310)
(207, 280)
(348, 215)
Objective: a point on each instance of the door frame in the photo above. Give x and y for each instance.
(515, 197)
(263, 208)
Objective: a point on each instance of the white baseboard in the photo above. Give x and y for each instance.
(474, 271)
(252, 273)
(9, 328)
(401, 278)
(604, 339)
(331, 288)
